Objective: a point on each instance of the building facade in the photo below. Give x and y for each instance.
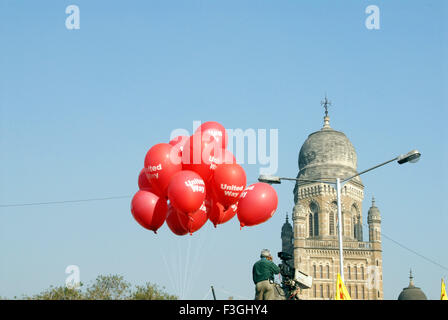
(328, 154)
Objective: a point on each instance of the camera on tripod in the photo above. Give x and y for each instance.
(290, 275)
(286, 269)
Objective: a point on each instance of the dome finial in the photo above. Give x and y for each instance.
(373, 201)
(411, 278)
(325, 103)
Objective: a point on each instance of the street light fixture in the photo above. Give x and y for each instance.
(269, 179)
(412, 157)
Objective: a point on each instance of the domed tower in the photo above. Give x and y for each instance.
(412, 292)
(328, 154)
(374, 220)
(287, 238)
(287, 245)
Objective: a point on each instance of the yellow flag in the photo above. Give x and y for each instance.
(341, 290)
(443, 294)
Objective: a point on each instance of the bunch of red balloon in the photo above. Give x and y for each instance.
(194, 179)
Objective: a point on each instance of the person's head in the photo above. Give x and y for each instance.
(265, 253)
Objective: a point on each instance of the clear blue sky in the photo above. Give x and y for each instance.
(80, 108)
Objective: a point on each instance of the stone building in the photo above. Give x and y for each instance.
(328, 154)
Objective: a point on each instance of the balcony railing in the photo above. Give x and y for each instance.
(311, 243)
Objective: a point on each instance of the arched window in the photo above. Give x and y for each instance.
(328, 271)
(314, 289)
(331, 223)
(313, 220)
(356, 292)
(355, 213)
(314, 271)
(328, 291)
(355, 271)
(321, 291)
(363, 293)
(321, 271)
(349, 272)
(310, 223)
(355, 231)
(362, 272)
(359, 225)
(331, 218)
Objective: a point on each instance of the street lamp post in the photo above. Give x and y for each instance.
(341, 249)
(412, 156)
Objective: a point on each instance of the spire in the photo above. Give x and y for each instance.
(373, 201)
(286, 228)
(411, 278)
(325, 103)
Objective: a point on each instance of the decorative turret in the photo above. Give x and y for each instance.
(374, 221)
(287, 237)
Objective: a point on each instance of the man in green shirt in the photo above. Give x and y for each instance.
(263, 273)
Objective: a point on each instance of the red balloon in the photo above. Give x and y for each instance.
(223, 156)
(197, 156)
(161, 164)
(149, 210)
(194, 221)
(213, 131)
(203, 157)
(173, 221)
(228, 182)
(178, 140)
(257, 204)
(178, 144)
(230, 213)
(186, 191)
(143, 182)
(216, 213)
(219, 215)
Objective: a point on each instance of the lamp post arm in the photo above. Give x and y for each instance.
(362, 172)
(290, 179)
(305, 180)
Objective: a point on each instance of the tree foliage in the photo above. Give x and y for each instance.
(150, 292)
(110, 287)
(57, 293)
